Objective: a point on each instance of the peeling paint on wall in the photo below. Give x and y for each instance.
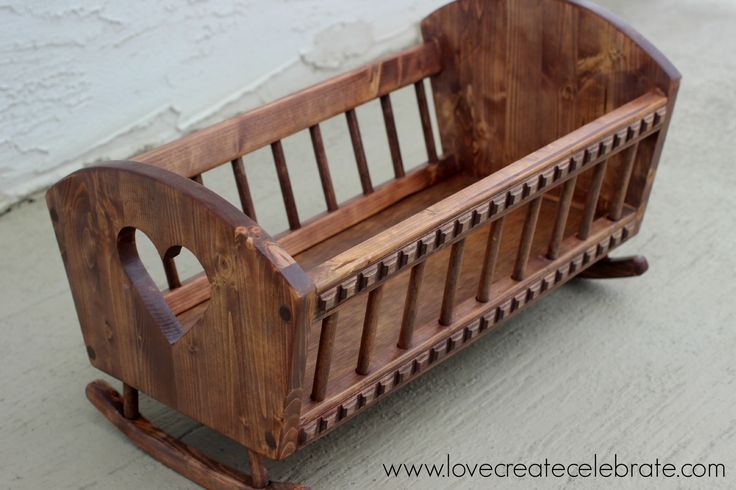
(94, 80)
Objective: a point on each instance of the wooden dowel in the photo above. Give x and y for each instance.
(489, 261)
(130, 402)
(393, 137)
(285, 183)
(258, 471)
(527, 237)
(241, 182)
(453, 273)
(410, 306)
(365, 178)
(324, 170)
(324, 357)
(592, 200)
(172, 276)
(426, 121)
(563, 211)
(617, 205)
(198, 179)
(370, 325)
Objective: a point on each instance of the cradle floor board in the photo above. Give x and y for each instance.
(403, 209)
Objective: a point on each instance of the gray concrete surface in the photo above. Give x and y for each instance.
(643, 368)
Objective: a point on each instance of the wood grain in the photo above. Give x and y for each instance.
(224, 142)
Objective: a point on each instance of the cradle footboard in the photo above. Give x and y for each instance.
(238, 368)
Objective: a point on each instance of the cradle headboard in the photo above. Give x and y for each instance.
(519, 74)
(239, 367)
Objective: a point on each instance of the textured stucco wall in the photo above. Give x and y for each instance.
(86, 80)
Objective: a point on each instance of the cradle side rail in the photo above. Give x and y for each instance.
(628, 135)
(232, 140)
(233, 359)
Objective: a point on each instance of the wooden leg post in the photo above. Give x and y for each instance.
(258, 472)
(130, 402)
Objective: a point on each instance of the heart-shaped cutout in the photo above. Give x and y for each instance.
(156, 277)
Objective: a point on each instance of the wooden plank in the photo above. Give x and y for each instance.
(453, 273)
(285, 183)
(392, 135)
(359, 151)
(324, 169)
(617, 204)
(410, 306)
(493, 245)
(547, 70)
(527, 237)
(591, 202)
(243, 134)
(355, 210)
(563, 211)
(324, 357)
(425, 120)
(172, 276)
(370, 325)
(241, 182)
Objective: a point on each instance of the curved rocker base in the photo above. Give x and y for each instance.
(181, 458)
(608, 268)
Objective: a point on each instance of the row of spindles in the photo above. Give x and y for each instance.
(520, 270)
(241, 180)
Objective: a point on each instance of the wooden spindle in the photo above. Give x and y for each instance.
(324, 170)
(198, 179)
(172, 276)
(130, 402)
(410, 306)
(370, 325)
(285, 183)
(258, 471)
(393, 137)
(489, 261)
(563, 211)
(527, 237)
(426, 121)
(365, 178)
(324, 357)
(241, 182)
(453, 274)
(617, 205)
(591, 202)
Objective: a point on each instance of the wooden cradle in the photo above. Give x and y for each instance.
(552, 116)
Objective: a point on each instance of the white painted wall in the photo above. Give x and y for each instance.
(86, 80)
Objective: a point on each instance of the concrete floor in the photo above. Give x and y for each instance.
(643, 368)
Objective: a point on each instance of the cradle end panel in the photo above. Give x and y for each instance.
(239, 368)
(520, 74)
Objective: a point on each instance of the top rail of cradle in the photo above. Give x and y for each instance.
(231, 139)
(368, 264)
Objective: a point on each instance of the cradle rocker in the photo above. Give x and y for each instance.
(551, 114)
